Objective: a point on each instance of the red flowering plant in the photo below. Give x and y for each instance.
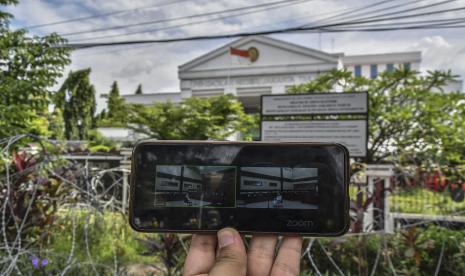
(455, 182)
(435, 178)
(33, 184)
(361, 201)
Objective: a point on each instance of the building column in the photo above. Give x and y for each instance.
(186, 93)
(278, 89)
(230, 90)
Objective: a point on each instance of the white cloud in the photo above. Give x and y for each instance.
(441, 53)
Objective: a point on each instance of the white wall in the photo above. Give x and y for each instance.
(366, 68)
(265, 184)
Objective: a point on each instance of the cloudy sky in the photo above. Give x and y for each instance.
(155, 66)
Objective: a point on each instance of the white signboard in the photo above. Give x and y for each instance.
(380, 170)
(350, 133)
(251, 81)
(319, 103)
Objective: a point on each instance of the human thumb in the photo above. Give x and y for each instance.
(231, 258)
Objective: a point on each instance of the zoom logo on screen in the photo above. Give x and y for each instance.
(307, 224)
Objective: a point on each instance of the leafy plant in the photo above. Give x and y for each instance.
(412, 251)
(32, 192)
(30, 66)
(98, 143)
(422, 201)
(139, 90)
(116, 114)
(194, 118)
(410, 119)
(104, 242)
(76, 98)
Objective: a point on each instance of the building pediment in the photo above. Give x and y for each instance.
(273, 55)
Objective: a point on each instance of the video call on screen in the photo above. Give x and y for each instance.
(240, 187)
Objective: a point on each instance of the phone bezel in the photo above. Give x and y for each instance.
(140, 145)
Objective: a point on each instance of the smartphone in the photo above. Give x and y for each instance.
(254, 187)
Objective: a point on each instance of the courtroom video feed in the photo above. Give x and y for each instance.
(195, 186)
(278, 187)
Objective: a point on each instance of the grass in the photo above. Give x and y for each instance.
(424, 201)
(110, 243)
(420, 201)
(91, 237)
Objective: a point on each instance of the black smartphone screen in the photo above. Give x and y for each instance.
(179, 186)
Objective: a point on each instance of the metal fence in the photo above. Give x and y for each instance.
(56, 216)
(386, 198)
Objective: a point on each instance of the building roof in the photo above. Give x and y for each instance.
(399, 57)
(276, 43)
(150, 98)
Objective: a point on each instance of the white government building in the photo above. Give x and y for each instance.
(276, 66)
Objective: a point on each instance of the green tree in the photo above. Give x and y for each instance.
(4, 17)
(115, 102)
(410, 118)
(98, 143)
(76, 98)
(194, 118)
(139, 90)
(116, 114)
(56, 125)
(30, 66)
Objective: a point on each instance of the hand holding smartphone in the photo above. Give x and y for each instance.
(281, 188)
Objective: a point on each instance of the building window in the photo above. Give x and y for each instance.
(358, 70)
(167, 183)
(253, 183)
(373, 71)
(389, 67)
(407, 65)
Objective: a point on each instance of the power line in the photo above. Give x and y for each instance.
(177, 18)
(351, 14)
(393, 27)
(378, 17)
(276, 31)
(205, 21)
(428, 27)
(336, 13)
(348, 13)
(447, 24)
(415, 23)
(234, 15)
(78, 46)
(364, 20)
(209, 20)
(407, 10)
(104, 14)
(351, 11)
(341, 12)
(425, 24)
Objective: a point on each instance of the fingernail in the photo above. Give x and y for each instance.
(225, 238)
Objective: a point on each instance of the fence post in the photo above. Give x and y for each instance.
(125, 164)
(368, 217)
(388, 218)
(125, 192)
(379, 192)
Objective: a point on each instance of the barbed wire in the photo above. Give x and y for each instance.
(93, 196)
